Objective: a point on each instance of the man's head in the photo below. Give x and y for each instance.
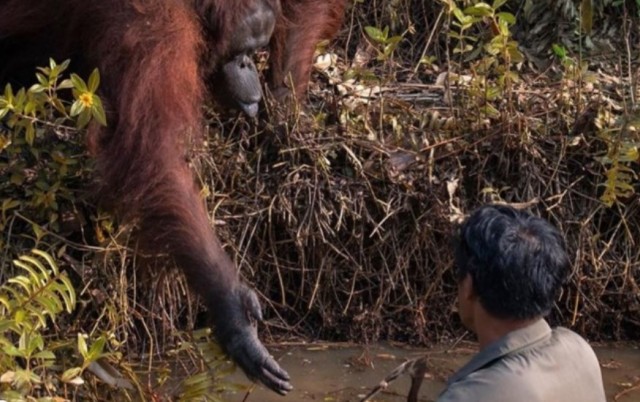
(511, 262)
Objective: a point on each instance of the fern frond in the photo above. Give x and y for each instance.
(43, 292)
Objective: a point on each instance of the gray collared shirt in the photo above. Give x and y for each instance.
(531, 364)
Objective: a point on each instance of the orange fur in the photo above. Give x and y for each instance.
(303, 25)
(155, 58)
(150, 55)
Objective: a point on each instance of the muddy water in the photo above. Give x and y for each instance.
(335, 373)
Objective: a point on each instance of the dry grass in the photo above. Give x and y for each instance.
(340, 215)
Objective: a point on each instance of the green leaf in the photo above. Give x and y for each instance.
(34, 312)
(11, 350)
(47, 257)
(394, 39)
(37, 88)
(65, 84)
(70, 374)
(35, 343)
(507, 17)
(5, 325)
(498, 3)
(375, 34)
(44, 272)
(23, 281)
(559, 51)
(78, 83)
(44, 81)
(45, 354)
(76, 108)
(64, 65)
(95, 352)
(26, 378)
(8, 94)
(458, 14)
(82, 346)
(46, 307)
(50, 303)
(57, 103)
(70, 295)
(479, 10)
(97, 111)
(16, 297)
(84, 118)
(5, 302)
(35, 277)
(37, 230)
(30, 133)
(22, 342)
(20, 99)
(94, 81)
(30, 108)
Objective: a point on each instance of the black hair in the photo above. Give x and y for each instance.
(517, 261)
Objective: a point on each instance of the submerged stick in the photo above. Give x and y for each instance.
(416, 368)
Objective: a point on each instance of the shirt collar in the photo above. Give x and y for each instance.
(511, 342)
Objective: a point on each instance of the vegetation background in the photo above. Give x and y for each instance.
(341, 213)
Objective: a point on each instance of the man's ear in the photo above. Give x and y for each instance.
(466, 289)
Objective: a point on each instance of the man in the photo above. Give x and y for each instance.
(510, 267)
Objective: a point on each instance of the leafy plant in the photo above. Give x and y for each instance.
(494, 73)
(573, 69)
(31, 360)
(27, 108)
(622, 156)
(386, 44)
(27, 303)
(42, 153)
(617, 132)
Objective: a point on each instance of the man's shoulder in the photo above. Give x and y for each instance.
(558, 368)
(572, 343)
(567, 334)
(563, 352)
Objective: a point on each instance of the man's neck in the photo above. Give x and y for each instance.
(489, 328)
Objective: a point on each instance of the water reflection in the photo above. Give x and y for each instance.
(337, 373)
